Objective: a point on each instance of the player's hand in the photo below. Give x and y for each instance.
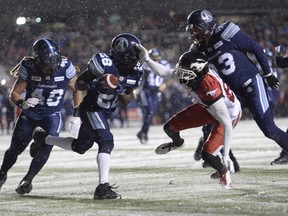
(144, 54)
(30, 102)
(229, 164)
(280, 50)
(99, 86)
(272, 81)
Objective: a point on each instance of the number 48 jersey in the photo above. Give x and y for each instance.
(50, 90)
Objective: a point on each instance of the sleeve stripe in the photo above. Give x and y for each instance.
(230, 31)
(71, 71)
(22, 73)
(95, 67)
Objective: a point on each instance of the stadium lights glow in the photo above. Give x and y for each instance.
(38, 20)
(20, 20)
(3, 82)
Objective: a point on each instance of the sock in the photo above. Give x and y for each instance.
(62, 142)
(103, 161)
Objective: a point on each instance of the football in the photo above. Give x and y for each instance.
(111, 80)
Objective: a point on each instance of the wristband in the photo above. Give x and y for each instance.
(19, 103)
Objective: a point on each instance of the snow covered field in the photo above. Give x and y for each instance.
(150, 184)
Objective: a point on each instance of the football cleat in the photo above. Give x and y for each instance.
(167, 147)
(282, 159)
(215, 175)
(3, 178)
(198, 151)
(225, 180)
(24, 187)
(142, 137)
(104, 191)
(39, 136)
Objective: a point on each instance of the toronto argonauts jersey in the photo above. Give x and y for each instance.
(49, 89)
(151, 81)
(101, 64)
(227, 52)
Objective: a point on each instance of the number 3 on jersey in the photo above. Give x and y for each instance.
(229, 63)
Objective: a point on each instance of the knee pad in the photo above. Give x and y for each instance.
(105, 141)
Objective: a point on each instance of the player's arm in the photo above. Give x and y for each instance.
(83, 79)
(156, 67)
(77, 95)
(247, 44)
(222, 115)
(126, 97)
(17, 90)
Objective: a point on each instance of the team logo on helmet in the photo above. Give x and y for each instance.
(121, 44)
(206, 16)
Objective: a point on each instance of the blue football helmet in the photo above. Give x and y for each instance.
(200, 24)
(154, 54)
(47, 54)
(124, 51)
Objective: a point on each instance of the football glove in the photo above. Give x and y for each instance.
(228, 163)
(272, 81)
(30, 102)
(74, 124)
(280, 50)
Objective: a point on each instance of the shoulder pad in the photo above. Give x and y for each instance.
(229, 29)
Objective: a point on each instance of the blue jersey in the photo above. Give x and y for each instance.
(49, 90)
(151, 81)
(227, 51)
(99, 65)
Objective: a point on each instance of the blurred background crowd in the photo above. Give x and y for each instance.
(83, 28)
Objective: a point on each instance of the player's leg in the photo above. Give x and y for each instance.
(20, 139)
(257, 103)
(206, 129)
(52, 125)
(192, 116)
(210, 155)
(144, 96)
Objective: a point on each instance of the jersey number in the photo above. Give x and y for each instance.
(51, 98)
(229, 63)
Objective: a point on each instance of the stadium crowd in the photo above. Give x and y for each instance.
(80, 37)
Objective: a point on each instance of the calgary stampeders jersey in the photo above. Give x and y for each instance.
(211, 89)
(50, 90)
(99, 65)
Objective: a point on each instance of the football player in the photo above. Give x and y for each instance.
(43, 78)
(281, 62)
(226, 47)
(150, 94)
(99, 103)
(213, 102)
